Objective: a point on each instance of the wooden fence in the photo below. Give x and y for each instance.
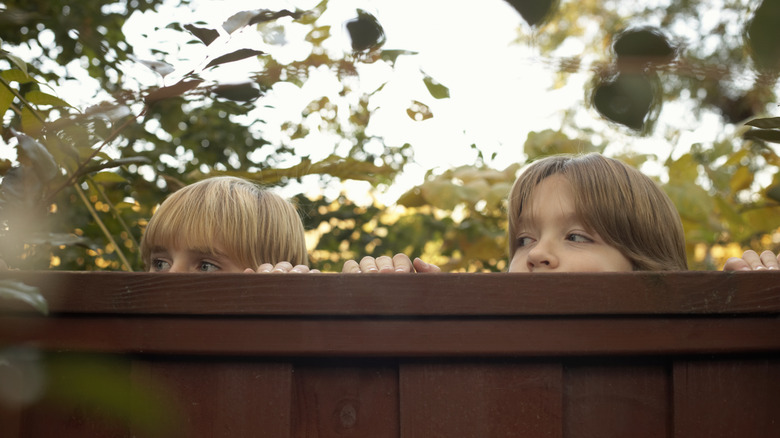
(689, 354)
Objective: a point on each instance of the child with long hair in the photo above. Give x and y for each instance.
(579, 213)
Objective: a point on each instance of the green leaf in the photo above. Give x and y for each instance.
(40, 98)
(16, 75)
(437, 90)
(108, 178)
(31, 124)
(773, 192)
(16, 61)
(741, 180)
(18, 291)
(6, 98)
(767, 123)
(769, 135)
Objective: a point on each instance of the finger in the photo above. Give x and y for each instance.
(736, 264)
(368, 264)
(281, 267)
(385, 264)
(752, 259)
(265, 268)
(401, 263)
(423, 267)
(299, 269)
(769, 259)
(351, 267)
(314, 271)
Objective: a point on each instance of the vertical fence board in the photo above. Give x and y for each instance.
(221, 398)
(727, 398)
(616, 400)
(345, 401)
(480, 399)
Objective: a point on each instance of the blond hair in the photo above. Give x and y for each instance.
(250, 224)
(622, 205)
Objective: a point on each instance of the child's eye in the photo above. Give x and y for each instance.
(578, 238)
(160, 265)
(524, 241)
(204, 266)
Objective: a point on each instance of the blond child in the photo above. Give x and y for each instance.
(585, 213)
(224, 224)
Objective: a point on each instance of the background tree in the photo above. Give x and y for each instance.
(90, 176)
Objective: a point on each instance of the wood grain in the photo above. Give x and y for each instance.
(406, 294)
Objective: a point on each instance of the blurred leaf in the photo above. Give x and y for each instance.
(248, 18)
(174, 90)
(102, 385)
(18, 62)
(160, 67)
(419, 111)
(392, 55)
(412, 198)
(767, 123)
(643, 45)
(534, 12)
(773, 192)
(12, 290)
(684, 170)
(6, 98)
(365, 32)
(34, 153)
(245, 92)
(769, 135)
(235, 56)
(763, 34)
(741, 180)
(40, 98)
(108, 178)
(207, 36)
(442, 194)
(436, 89)
(54, 239)
(31, 124)
(16, 75)
(552, 142)
(625, 99)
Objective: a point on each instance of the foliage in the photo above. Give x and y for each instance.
(86, 180)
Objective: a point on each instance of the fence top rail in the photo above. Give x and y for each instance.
(467, 294)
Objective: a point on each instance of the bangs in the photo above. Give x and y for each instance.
(184, 228)
(208, 217)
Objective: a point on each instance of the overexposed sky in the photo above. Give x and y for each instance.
(499, 90)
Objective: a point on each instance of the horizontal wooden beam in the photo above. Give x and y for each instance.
(483, 294)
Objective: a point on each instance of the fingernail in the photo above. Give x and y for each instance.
(400, 270)
(760, 268)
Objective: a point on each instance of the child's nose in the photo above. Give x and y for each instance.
(542, 257)
(178, 267)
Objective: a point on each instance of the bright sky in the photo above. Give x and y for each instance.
(497, 92)
(499, 89)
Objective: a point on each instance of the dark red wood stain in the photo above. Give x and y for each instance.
(693, 354)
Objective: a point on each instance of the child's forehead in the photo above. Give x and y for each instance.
(553, 197)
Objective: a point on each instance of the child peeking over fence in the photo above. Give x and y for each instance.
(583, 213)
(225, 224)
